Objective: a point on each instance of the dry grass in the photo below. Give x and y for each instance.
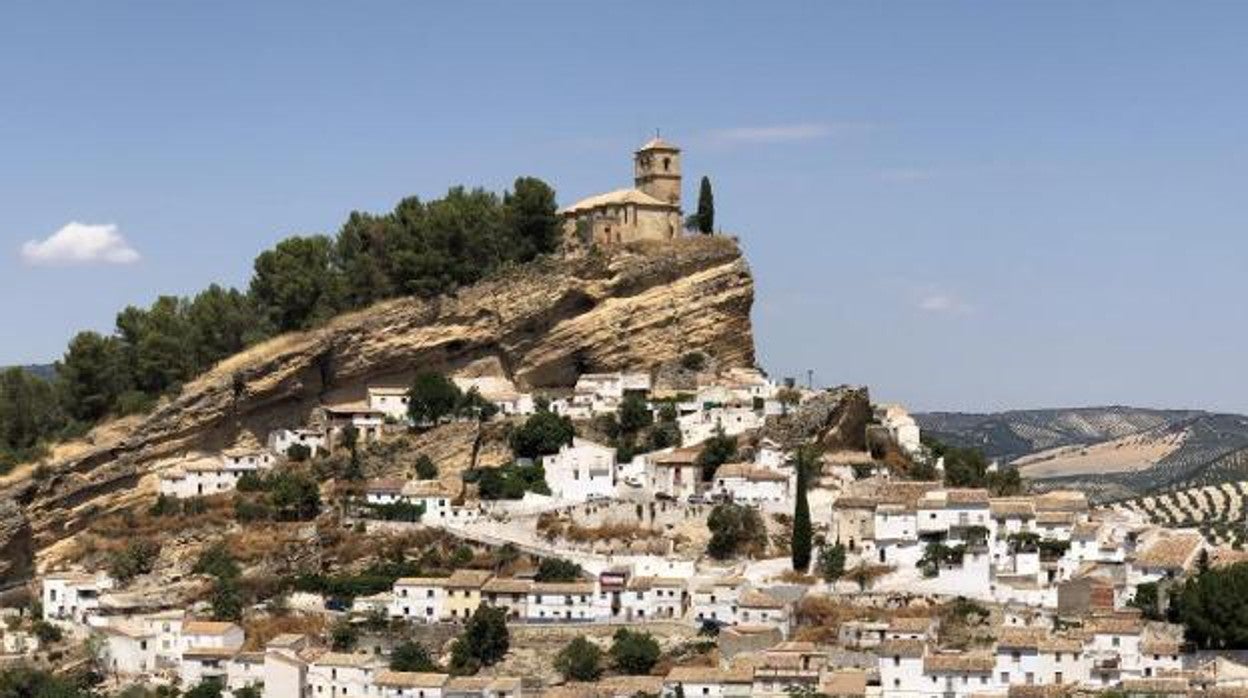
(261, 630)
(795, 577)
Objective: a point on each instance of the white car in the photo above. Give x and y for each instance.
(632, 481)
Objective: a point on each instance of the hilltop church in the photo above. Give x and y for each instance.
(648, 211)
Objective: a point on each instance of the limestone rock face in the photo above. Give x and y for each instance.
(543, 323)
(837, 419)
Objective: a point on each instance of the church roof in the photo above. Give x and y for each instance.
(658, 143)
(616, 198)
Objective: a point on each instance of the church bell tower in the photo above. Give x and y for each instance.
(656, 170)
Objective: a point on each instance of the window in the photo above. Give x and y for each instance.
(1117, 641)
(1005, 677)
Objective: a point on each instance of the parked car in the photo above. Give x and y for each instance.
(664, 497)
(632, 481)
(696, 499)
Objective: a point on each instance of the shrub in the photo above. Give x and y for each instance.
(541, 434)
(425, 469)
(553, 569)
(483, 642)
(580, 660)
(633, 652)
(46, 632)
(216, 561)
(412, 656)
(343, 636)
(138, 557)
(693, 361)
(165, 506)
(735, 530)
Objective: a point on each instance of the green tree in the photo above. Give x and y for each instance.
(554, 569)
(222, 323)
(216, 561)
(633, 652)
(579, 660)
(295, 284)
(483, 642)
(634, 414)
(800, 546)
(343, 636)
(360, 254)
(208, 688)
(716, 451)
(532, 223)
(295, 497)
(226, 600)
(157, 342)
(432, 397)
(706, 207)
(412, 656)
(735, 530)
(29, 412)
(543, 433)
(93, 375)
(832, 562)
(425, 469)
(138, 557)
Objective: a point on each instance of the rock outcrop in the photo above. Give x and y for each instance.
(544, 323)
(836, 419)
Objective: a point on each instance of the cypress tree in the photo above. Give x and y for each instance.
(706, 207)
(801, 543)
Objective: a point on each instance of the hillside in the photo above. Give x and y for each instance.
(1111, 452)
(541, 324)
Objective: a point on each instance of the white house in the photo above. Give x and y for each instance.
(601, 393)
(248, 459)
(711, 682)
(761, 609)
(420, 599)
(900, 426)
(675, 472)
(901, 667)
(748, 483)
(500, 392)
(410, 684)
(72, 596)
(389, 401)
(285, 667)
(366, 420)
(561, 601)
(281, 440)
(580, 471)
(654, 598)
(702, 425)
(342, 675)
(715, 601)
(128, 648)
(208, 476)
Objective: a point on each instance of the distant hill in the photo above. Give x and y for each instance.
(44, 371)
(1111, 452)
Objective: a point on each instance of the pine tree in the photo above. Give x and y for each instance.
(706, 207)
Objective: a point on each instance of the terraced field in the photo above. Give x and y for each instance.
(1218, 511)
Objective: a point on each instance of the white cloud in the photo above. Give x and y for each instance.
(938, 302)
(787, 133)
(80, 243)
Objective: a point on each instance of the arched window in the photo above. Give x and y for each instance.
(667, 162)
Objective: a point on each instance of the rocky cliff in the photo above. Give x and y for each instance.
(542, 324)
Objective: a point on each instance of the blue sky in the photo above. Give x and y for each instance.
(963, 205)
